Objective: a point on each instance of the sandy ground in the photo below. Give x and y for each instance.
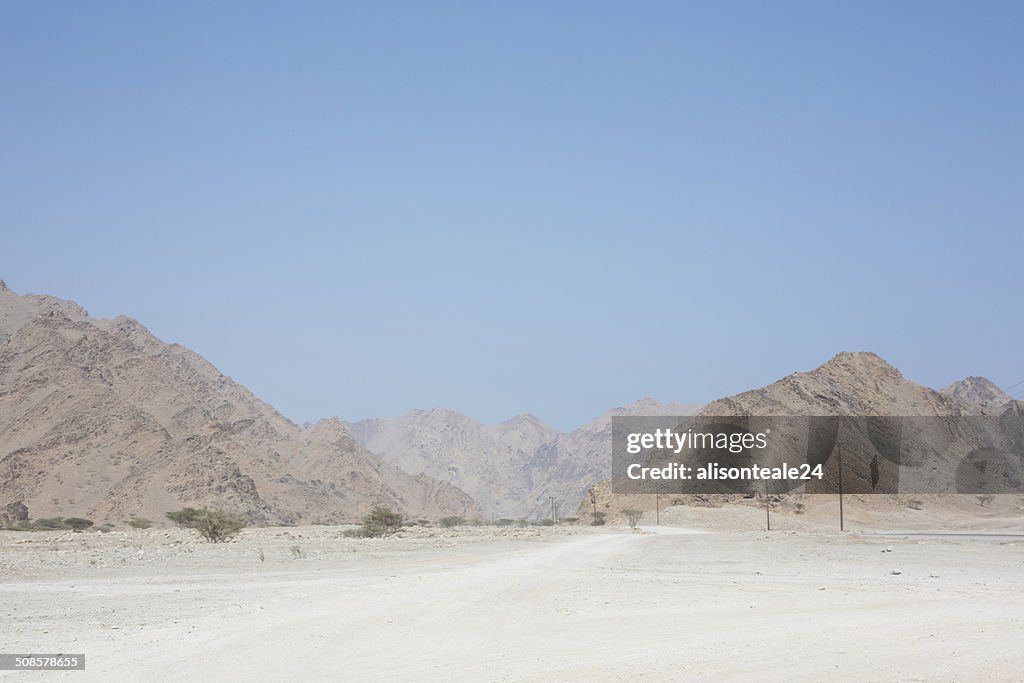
(561, 604)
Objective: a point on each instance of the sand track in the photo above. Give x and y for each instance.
(592, 606)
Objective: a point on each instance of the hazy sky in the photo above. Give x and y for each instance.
(551, 207)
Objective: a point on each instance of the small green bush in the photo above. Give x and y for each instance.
(449, 522)
(380, 523)
(186, 518)
(633, 517)
(77, 524)
(216, 526)
(47, 523)
(140, 523)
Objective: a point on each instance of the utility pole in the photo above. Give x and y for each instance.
(593, 500)
(657, 508)
(842, 525)
(767, 506)
(553, 518)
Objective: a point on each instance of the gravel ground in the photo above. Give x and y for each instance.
(538, 604)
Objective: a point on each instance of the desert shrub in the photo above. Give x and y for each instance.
(186, 518)
(915, 504)
(547, 521)
(522, 523)
(449, 522)
(598, 519)
(798, 508)
(216, 526)
(77, 524)
(985, 499)
(47, 523)
(380, 523)
(296, 552)
(568, 520)
(633, 517)
(140, 523)
(505, 521)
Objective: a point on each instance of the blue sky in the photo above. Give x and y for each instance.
(544, 207)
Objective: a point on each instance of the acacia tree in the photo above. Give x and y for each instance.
(381, 523)
(216, 526)
(633, 517)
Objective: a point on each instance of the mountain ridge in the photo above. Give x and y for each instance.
(100, 418)
(512, 468)
(848, 384)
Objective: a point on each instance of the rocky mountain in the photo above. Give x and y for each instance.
(855, 384)
(977, 394)
(99, 418)
(512, 469)
(848, 384)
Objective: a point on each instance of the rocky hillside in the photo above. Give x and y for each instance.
(849, 384)
(99, 418)
(512, 469)
(977, 394)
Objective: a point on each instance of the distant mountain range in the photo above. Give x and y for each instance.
(513, 469)
(99, 418)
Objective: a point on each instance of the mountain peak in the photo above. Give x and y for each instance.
(976, 392)
(859, 362)
(848, 384)
(526, 418)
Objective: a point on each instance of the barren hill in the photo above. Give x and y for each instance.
(512, 469)
(855, 384)
(99, 418)
(977, 394)
(848, 384)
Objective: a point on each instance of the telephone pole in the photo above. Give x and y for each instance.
(767, 506)
(554, 519)
(657, 508)
(842, 526)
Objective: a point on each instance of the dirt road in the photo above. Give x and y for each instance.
(610, 606)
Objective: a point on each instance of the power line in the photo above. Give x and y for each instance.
(1007, 389)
